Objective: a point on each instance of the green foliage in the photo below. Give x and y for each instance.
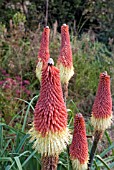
(80, 15)
(19, 18)
(101, 15)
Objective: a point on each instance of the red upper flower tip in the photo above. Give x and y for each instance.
(65, 56)
(43, 53)
(50, 111)
(102, 107)
(79, 146)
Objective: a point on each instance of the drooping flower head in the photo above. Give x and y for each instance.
(65, 63)
(50, 115)
(102, 107)
(43, 54)
(79, 145)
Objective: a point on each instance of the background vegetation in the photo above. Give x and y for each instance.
(21, 24)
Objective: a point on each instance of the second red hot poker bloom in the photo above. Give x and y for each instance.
(50, 130)
(102, 107)
(43, 54)
(65, 63)
(79, 145)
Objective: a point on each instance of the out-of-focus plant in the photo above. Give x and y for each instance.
(19, 18)
(10, 90)
(101, 16)
(2, 29)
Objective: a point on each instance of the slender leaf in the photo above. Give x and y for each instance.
(111, 165)
(6, 159)
(107, 150)
(26, 161)
(1, 137)
(27, 112)
(104, 163)
(21, 143)
(8, 142)
(96, 165)
(17, 160)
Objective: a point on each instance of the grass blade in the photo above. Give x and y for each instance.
(17, 160)
(27, 160)
(96, 166)
(111, 165)
(107, 150)
(6, 159)
(1, 137)
(21, 143)
(27, 112)
(104, 163)
(5, 147)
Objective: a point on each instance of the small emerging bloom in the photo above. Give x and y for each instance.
(43, 54)
(50, 116)
(79, 145)
(64, 62)
(102, 107)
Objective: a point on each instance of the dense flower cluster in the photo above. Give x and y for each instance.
(43, 54)
(64, 62)
(102, 107)
(50, 115)
(79, 146)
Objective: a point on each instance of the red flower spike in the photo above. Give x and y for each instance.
(50, 115)
(65, 53)
(65, 63)
(43, 54)
(50, 111)
(102, 107)
(79, 146)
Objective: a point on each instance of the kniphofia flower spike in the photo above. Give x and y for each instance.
(101, 112)
(102, 107)
(43, 54)
(79, 145)
(64, 62)
(50, 130)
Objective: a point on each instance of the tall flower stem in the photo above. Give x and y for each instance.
(49, 162)
(46, 18)
(65, 91)
(97, 137)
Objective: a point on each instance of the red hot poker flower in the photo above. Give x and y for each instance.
(50, 116)
(64, 62)
(102, 107)
(79, 146)
(43, 54)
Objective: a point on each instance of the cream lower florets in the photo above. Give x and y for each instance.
(52, 143)
(101, 124)
(39, 70)
(76, 165)
(65, 73)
